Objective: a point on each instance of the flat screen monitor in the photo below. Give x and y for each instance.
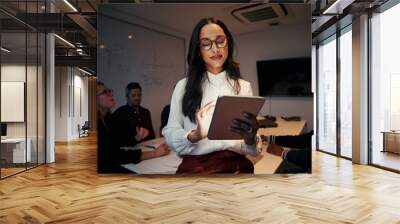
(285, 77)
(3, 129)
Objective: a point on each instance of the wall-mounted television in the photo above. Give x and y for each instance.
(285, 77)
(3, 129)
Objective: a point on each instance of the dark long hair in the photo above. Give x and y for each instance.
(193, 91)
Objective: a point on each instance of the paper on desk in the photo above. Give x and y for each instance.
(152, 145)
(136, 147)
(162, 165)
(155, 143)
(146, 146)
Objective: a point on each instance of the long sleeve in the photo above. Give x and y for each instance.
(123, 128)
(299, 152)
(174, 133)
(300, 157)
(147, 123)
(119, 155)
(179, 126)
(129, 156)
(110, 156)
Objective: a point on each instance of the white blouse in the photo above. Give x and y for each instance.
(179, 126)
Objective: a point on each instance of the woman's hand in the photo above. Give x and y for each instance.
(246, 128)
(200, 131)
(161, 150)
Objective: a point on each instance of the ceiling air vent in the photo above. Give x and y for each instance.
(270, 13)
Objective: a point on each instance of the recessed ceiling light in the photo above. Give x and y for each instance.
(102, 46)
(70, 5)
(129, 36)
(337, 7)
(84, 71)
(5, 50)
(65, 41)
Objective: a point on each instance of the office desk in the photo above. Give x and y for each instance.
(391, 141)
(13, 150)
(285, 128)
(265, 163)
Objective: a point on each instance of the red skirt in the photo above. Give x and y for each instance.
(224, 161)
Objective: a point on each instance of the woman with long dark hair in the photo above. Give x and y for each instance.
(212, 72)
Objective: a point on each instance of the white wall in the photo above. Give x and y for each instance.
(276, 43)
(33, 126)
(79, 117)
(16, 72)
(69, 82)
(61, 103)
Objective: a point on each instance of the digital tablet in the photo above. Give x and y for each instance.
(228, 108)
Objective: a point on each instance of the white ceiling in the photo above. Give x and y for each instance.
(183, 17)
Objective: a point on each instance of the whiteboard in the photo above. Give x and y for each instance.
(12, 101)
(154, 59)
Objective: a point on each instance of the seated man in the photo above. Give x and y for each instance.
(133, 121)
(297, 153)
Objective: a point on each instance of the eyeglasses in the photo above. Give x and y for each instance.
(108, 92)
(220, 42)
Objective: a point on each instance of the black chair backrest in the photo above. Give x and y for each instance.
(86, 125)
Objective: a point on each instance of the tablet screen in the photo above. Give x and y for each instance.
(228, 108)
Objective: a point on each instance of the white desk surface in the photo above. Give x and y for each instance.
(13, 140)
(265, 163)
(162, 165)
(284, 128)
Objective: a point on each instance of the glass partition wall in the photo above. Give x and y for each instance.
(345, 92)
(23, 87)
(327, 95)
(334, 94)
(385, 89)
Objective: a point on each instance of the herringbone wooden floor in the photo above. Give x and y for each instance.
(70, 191)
